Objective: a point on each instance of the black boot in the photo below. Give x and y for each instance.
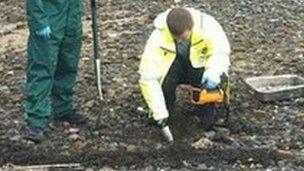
(34, 134)
(208, 117)
(73, 117)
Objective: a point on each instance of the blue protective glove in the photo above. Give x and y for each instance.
(44, 33)
(211, 79)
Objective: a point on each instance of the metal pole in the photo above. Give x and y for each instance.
(94, 7)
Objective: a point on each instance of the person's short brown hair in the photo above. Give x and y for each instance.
(179, 20)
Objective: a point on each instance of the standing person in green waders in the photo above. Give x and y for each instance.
(54, 48)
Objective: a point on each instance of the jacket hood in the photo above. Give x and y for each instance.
(160, 22)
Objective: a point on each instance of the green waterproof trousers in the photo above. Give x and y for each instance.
(52, 64)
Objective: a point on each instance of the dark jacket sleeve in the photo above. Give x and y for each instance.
(36, 15)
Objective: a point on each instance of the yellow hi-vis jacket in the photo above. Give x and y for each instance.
(209, 49)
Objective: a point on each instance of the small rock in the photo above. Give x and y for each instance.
(111, 93)
(131, 148)
(258, 165)
(250, 159)
(123, 168)
(10, 73)
(203, 143)
(118, 80)
(106, 168)
(158, 146)
(14, 18)
(202, 166)
(141, 109)
(252, 165)
(281, 163)
(142, 20)
(65, 147)
(73, 130)
(210, 134)
(15, 138)
(28, 142)
(79, 146)
(223, 132)
(285, 154)
(245, 105)
(74, 137)
(16, 98)
(66, 124)
(5, 90)
(89, 104)
(211, 168)
(53, 126)
(113, 147)
(125, 56)
(185, 163)
(148, 168)
(65, 153)
(85, 59)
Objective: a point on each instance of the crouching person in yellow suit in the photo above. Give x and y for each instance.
(186, 47)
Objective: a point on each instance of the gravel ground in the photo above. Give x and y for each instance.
(267, 38)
